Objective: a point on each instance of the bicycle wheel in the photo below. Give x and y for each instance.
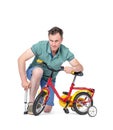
(82, 102)
(39, 103)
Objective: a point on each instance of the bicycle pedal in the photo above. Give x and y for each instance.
(26, 112)
(66, 110)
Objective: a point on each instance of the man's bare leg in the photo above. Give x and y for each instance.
(35, 82)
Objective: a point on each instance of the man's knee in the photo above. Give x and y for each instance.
(37, 72)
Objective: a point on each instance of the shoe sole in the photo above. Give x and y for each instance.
(30, 113)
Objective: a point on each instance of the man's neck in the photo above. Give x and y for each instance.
(54, 53)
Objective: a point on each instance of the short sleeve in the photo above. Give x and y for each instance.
(70, 55)
(36, 48)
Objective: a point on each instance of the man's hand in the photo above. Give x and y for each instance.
(68, 70)
(25, 85)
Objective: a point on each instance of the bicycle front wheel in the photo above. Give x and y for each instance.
(39, 103)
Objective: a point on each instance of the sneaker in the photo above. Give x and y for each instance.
(30, 108)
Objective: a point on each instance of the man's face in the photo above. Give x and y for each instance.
(55, 41)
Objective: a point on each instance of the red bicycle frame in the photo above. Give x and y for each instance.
(50, 84)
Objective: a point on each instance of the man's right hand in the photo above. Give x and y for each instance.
(25, 85)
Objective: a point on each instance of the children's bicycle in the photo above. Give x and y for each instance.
(81, 101)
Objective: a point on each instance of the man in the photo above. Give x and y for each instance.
(54, 54)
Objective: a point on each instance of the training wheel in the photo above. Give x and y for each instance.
(92, 111)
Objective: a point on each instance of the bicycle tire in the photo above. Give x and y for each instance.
(39, 103)
(77, 103)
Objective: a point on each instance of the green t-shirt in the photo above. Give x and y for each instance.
(42, 51)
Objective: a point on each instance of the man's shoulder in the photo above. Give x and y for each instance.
(66, 53)
(44, 42)
(64, 48)
(39, 46)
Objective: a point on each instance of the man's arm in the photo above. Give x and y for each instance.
(76, 66)
(22, 67)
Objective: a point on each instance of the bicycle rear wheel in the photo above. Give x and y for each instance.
(82, 102)
(39, 103)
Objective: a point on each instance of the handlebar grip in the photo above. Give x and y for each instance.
(40, 61)
(77, 73)
(73, 72)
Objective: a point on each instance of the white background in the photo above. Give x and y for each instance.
(88, 32)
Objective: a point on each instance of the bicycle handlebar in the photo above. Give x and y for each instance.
(61, 69)
(42, 62)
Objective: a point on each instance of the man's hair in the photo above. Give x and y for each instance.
(55, 30)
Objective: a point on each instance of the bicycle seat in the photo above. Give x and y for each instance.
(78, 73)
(66, 93)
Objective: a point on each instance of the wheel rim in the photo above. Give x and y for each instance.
(82, 103)
(92, 111)
(39, 104)
(39, 107)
